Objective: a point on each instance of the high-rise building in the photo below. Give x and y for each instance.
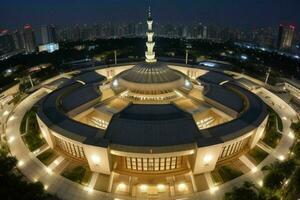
(285, 37)
(288, 37)
(29, 38)
(279, 37)
(48, 34)
(18, 40)
(6, 41)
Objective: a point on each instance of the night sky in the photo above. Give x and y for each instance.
(240, 13)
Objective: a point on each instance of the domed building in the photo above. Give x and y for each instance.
(151, 125)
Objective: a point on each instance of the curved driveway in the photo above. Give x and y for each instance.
(32, 168)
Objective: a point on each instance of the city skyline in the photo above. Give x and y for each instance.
(251, 14)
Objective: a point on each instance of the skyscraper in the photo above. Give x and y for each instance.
(18, 40)
(6, 42)
(48, 34)
(29, 38)
(288, 37)
(279, 37)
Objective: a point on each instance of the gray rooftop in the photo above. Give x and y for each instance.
(150, 73)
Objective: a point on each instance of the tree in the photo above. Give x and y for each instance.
(12, 183)
(246, 192)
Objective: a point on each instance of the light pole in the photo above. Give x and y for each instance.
(115, 53)
(268, 74)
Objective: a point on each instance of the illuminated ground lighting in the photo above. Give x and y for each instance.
(260, 183)
(20, 163)
(49, 171)
(182, 187)
(121, 187)
(89, 189)
(161, 187)
(56, 162)
(5, 113)
(254, 169)
(45, 187)
(115, 83)
(11, 139)
(284, 118)
(281, 158)
(291, 135)
(213, 190)
(143, 187)
(11, 118)
(244, 57)
(286, 182)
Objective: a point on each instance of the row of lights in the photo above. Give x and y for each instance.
(160, 187)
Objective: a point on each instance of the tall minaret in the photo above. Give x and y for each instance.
(150, 54)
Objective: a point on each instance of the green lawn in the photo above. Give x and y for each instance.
(257, 154)
(47, 157)
(33, 137)
(75, 174)
(272, 137)
(228, 173)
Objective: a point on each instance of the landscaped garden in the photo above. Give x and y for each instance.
(257, 154)
(77, 173)
(272, 136)
(30, 128)
(47, 157)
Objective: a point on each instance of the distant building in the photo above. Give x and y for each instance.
(18, 40)
(50, 47)
(48, 34)
(279, 37)
(288, 37)
(29, 38)
(6, 42)
(285, 37)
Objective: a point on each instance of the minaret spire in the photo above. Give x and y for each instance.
(150, 54)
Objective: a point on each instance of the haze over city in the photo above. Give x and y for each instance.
(255, 13)
(139, 100)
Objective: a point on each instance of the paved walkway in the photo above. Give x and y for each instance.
(66, 189)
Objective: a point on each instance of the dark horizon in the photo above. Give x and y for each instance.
(242, 14)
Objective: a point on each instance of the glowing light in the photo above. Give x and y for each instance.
(121, 187)
(286, 182)
(5, 113)
(213, 189)
(207, 158)
(182, 187)
(143, 187)
(208, 64)
(291, 135)
(35, 180)
(11, 139)
(45, 187)
(49, 171)
(20, 163)
(244, 57)
(56, 162)
(89, 189)
(115, 83)
(161, 187)
(11, 118)
(284, 118)
(260, 183)
(187, 83)
(281, 158)
(254, 169)
(96, 159)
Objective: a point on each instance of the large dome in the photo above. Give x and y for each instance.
(147, 73)
(151, 78)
